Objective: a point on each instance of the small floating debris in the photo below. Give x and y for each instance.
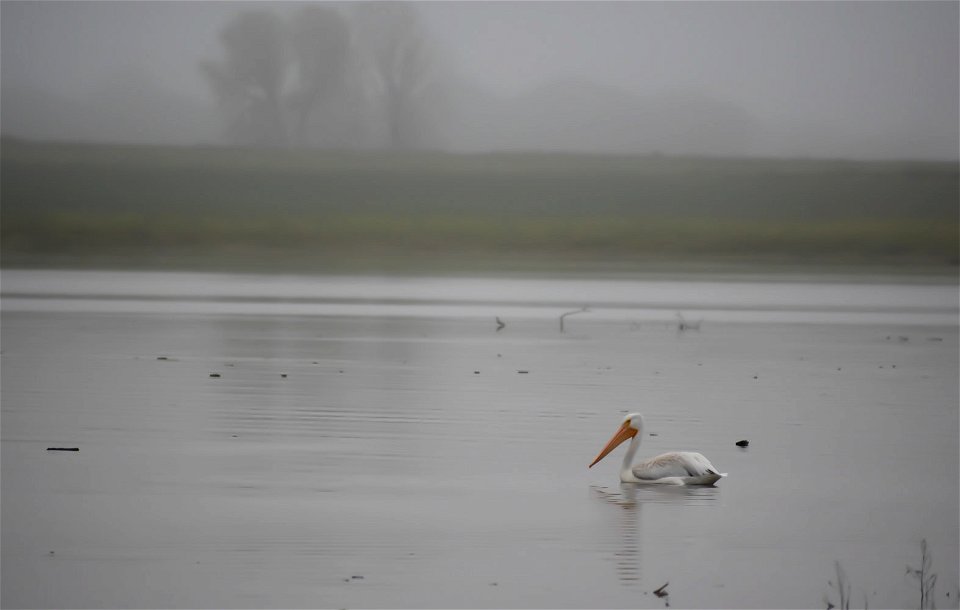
(162, 358)
(63, 448)
(684, 325)
(215, 375)
(523, 372)
(356, 577)
(476, 372)
(662, 591)
(755, 377)
(500, 324)
(654, 434)
(284, 375)
(743, 443)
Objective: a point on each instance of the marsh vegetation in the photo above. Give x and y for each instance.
(189, 207)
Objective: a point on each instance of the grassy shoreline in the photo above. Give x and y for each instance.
(229, 209)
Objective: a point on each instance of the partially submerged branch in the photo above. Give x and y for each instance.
(684, 325)
(570, 313)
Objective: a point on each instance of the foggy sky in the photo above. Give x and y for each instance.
(823, 79)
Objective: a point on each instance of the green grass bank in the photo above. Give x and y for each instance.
(137, 206)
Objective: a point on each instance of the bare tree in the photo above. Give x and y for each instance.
(319, 73)
(321, 42)
(393, 35)
(249, 80)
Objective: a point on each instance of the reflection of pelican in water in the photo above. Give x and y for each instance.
(674, 468)
(630, 498)
(628, 552)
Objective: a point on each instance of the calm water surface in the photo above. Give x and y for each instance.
(377, 442)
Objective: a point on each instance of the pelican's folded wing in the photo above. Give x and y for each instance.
(674, 464)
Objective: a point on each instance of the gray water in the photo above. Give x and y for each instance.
(377, 442)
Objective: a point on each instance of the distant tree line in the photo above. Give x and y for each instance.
(324, 77)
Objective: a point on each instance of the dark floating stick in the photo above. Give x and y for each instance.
(570, 313)
(743, 443)
(63, 448)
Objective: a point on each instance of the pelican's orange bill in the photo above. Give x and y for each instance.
(623, 433)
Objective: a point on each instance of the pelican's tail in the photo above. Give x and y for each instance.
(704, 479)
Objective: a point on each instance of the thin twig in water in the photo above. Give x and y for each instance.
(570, 313)
(927, 580)
(842, 587)
(663, 593)
(683, 325)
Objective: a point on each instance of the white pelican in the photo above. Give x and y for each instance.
(674, 468)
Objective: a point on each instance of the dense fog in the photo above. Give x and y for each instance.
(867, 80)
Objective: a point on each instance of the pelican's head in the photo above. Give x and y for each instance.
(632, 424)
(634, 420)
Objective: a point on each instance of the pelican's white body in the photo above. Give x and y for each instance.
(673, 468)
